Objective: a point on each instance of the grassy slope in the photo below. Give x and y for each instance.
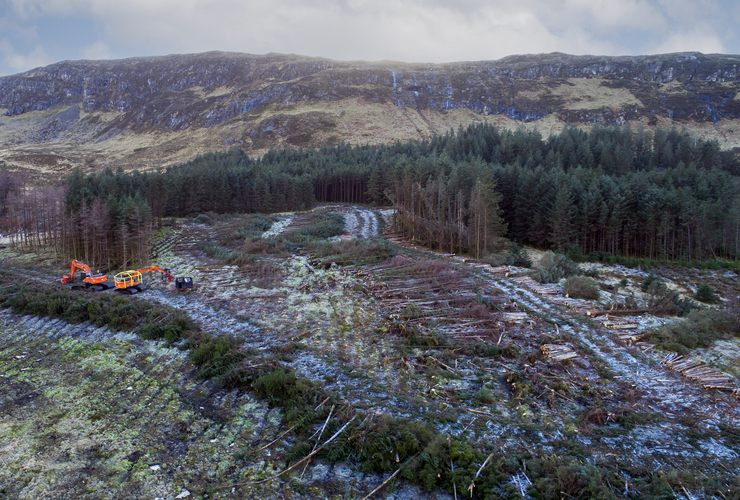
(348, 118)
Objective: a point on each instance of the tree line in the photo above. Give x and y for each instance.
(665, 194)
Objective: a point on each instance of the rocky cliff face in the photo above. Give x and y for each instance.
(148, 112)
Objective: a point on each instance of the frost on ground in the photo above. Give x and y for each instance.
(278, 227)
(359, 222)
(444, 344)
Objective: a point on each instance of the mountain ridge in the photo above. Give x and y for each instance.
(150, 112)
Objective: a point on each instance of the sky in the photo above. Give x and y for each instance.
(36, 33)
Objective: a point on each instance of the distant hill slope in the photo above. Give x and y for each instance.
(157, 111)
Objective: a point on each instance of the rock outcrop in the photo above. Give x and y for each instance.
(149, 112)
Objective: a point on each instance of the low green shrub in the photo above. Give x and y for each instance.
(204, 219)
(484, 395)
(355, 251)
(322, 225)
(552, 267)
(664, 300)
(253, 227)
(582, 287)
(700, 329)
(705, 294)
(218, 358)
(566, 477)
(166, 324)
(518, 256)
(149, 320)
(649, 280)
(228, 256)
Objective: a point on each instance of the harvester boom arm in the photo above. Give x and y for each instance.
(76, 264)
(150, 269)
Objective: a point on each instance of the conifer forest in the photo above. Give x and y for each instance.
(487, 314)
(665, 195)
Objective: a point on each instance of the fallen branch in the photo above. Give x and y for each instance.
(391, 477)
(276, 439)
(478, 412)
(321, 432)
(472, 483)
(310, 455)
(556, 392)
(451, 369)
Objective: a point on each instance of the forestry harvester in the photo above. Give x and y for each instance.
(94, 282)
(131, 282)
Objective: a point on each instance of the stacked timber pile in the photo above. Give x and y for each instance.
(397, 238)
(577, 304)
(477, 265)
(187, 242)
(220, 279)
(525, 280)
(501, 270)
(558, 352)
(616, 312)
(548, 290)
(624, 329)
(471, 329)
(618, 323)
(705, 375)
(516, 318)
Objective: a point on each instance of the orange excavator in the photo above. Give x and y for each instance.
(94, 282)
(131, 282)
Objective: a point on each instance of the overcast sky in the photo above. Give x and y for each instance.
(39, 32)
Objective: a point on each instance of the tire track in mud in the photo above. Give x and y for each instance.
(359, 222)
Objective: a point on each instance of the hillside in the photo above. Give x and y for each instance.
(152, 112)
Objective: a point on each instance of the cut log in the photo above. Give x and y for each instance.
(562, 357)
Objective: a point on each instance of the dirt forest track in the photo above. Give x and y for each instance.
(92, 413)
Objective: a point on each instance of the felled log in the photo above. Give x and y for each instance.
(620, 326)
(630, 312)
(512, 317)
(558, 352)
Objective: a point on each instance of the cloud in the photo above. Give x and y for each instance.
(416, 30)
(697, 41)
(28, 9)
(407, 30)
(691, 11)
(98, 50)
(22, 62)
(607, 14)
